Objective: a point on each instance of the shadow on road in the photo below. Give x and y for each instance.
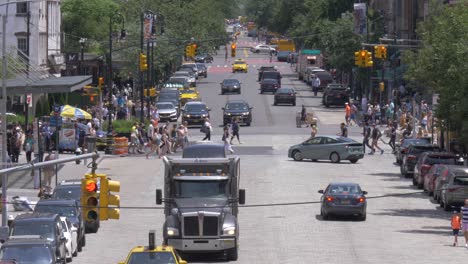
(427, 232)
(424, 213)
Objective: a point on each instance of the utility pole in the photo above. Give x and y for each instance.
(142, 85)
(4, 123)
(28, 38)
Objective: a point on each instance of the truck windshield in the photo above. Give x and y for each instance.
(200, 189)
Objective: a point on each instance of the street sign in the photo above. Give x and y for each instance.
(29, 100)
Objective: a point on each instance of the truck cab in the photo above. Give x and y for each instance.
(201, 198)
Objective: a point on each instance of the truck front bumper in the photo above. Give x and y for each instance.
(202, 245)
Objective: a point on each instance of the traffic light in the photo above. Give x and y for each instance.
(362, 58)
(368, 59)
(89, 197)
(152, 92)
(377, 52)
(233, 50)
(107, 200)
(143, 62)
(188, 51)
(383, 52)
(100, 82)
(194, 50)
(357, 58)
(382, 86)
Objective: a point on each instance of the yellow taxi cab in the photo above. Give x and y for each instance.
(190, 94)
(240, 65)
(152, 254)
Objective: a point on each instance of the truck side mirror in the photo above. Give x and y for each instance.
(158, 196)
(320, 191)
(241, 196)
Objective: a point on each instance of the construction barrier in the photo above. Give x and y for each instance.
(120, 146)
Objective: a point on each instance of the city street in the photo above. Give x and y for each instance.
(402, 225)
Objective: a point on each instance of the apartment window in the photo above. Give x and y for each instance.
(22, 45)
(22, 8)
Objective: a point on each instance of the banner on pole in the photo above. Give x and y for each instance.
(360, 18)
(148, 26)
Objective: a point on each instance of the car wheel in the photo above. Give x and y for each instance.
(314, 160)
(248, 123)
(327, 105)
(80, 246)
(222, 93)
(335, 157)
(261, 91)
(402, 171)
(414, 181)
(294, 103)
(447, 207)
(323, 215)
(83, 240)
(275, 103)
(297, 155)
(239, 91)
(420, 186)
(232, 254)
(362, 217)
(353, 160)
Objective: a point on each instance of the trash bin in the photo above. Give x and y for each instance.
(90, 144)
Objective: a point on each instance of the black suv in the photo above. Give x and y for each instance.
(263, 69)
(46, 225)
(195, 113)
(239, 110)
(269, 85)
(204, 58)
(335, 94)
(272, 75)
(71, 189)
(285, 96)
(28, 249)
(412, 155)
(69, 209)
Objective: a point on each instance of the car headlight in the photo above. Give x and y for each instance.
(173, 114)
(229, 231)
(246, 113)
(228, 114)
(187, 115)
(204, 115)
(170, 231)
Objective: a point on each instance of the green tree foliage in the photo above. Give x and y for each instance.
(441, 65)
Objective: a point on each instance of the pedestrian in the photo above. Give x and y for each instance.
(366, 133)
(464, 222)
(315, 84)
(29, 146)
(313, 131)
(49, 171)
(16, 144)
(376, 134)
(180, 138)
(186, 132)
(225, 139)
(235, 130)
(392, 137)
(206, 128)
(347, 113)
(456, 225)
(352, 117)
(343, 130)
(303, 114)
(134, 142)
(173, 138)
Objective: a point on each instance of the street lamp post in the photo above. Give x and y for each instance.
(82, 45)
(115, 17)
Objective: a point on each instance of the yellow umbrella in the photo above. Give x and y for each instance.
(74, 112)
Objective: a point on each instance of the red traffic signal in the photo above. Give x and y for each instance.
(91, 187)
(233, 46)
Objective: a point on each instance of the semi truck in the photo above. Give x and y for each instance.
(308, 58)
(201, 198)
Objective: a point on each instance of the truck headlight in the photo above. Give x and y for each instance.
(246, 113)
(204, 115)
(230, 231)
(170, 231)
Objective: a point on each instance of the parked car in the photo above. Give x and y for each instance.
(412, 155)
(346, 199)
(230, 85)
(71, 190)
(46, 225)
(203, 70)
(264, 69)
(325, 79)
(335, 94)
(28, 250)
(272, 75)
(195, 113)
(67, 208)
(454, 191)
(269, 85)
(285, 95)
(402, 148)
(425, 163)
(237, 109)
(310, 74)
(442, 176)
(71, 234)
(204, 58)
(333, 148)
(167, 111)
(262, 48)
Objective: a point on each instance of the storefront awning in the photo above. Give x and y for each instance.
(48, 85)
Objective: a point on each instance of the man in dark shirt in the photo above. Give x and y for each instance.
(366, 133)
(344, 130)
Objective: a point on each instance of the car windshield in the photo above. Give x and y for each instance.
(27, 254)
(269, 81)
(230, 82)
(188, 91)
(345, 189)
(440, 160)
(44, 230)
(237, 106)
(239, 62)
(285, 91)
(151, 258)
(460, 180)
(178, 80)
(62, 210)
(165, 106)
(408, 142)
(195, 107)
(200, 189)
(67, 193)
(421, 149)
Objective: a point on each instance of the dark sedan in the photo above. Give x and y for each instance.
(204, 58)
(333, 148)
(335, 94)
(402, 149)
(264, 69)
(285, 96)
(195, 113)
(202, 69)
(411, 158)
(230, 86)
(269, 85)
(239, 110)
(347, 199)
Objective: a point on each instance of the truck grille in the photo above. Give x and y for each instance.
(200, 225)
